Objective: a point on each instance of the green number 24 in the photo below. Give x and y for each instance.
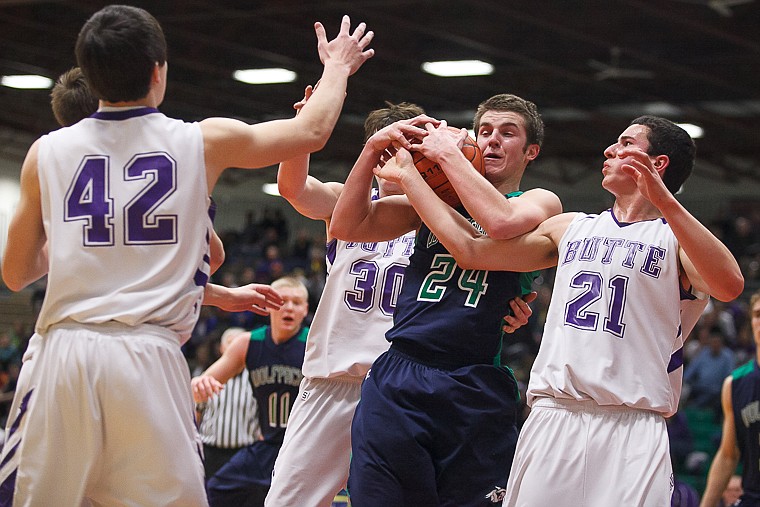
(442, 269)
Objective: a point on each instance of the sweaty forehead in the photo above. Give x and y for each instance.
(637, 133)
(296, 294)
(502, 119)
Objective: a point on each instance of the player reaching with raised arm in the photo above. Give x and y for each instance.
(436, 421)
(609, 367)
(119, 200)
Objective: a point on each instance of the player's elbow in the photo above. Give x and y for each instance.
(288, 192)
(466, 256)
(12, 280)
(731, 288)
(315, 136)
(500, 229)
(339, 229)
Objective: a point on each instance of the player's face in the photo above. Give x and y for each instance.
(502, 138)
(614, 179)
(288, 319)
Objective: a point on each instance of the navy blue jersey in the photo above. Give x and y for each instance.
(447, 315)
(745, 397)
(275, 376)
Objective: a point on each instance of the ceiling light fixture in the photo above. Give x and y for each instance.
(265, 76)
(270, 189)
(27, 82)
(695, 131)
(458, 68)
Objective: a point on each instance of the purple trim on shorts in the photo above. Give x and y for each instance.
(6, 490)
(21, 412)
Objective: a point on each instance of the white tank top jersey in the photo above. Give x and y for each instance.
(125, 210)
(356, 308)
(614, 332)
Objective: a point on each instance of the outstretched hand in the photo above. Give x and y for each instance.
(204, 387)
(254, 297)
(348, 49)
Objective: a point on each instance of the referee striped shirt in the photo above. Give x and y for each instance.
(229, 419)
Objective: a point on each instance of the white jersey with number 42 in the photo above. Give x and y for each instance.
(125, 210)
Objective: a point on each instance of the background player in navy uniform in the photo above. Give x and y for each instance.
(630, 284)
(127, 263)
(436, 421)
(228, 421)
(741, 427)
(273, 356)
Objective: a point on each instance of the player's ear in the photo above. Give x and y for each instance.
(532, 152)
(660, 162)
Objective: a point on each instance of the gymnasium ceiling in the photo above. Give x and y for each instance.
(591, 66)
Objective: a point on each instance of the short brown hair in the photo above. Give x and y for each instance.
(392, 113)
(754, 299)
(71, 98)
(534, 125)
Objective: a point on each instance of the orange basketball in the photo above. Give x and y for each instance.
(436, 178)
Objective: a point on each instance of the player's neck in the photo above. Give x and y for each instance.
(280, 336)
(128, 103)
(508, 184)
(634, 209)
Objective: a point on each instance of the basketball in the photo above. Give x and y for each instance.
(436, 178)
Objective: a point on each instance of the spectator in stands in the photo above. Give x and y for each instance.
(705, 373)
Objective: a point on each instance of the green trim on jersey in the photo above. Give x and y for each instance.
(526, 287)
(260, 333)
(743, 370)
(526, 279)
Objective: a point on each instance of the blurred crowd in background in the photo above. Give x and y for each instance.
(267, 247)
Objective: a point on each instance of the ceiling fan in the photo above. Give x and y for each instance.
(613, 70)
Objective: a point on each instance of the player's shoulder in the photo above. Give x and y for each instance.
(547, 200)
(742, 371)
(258, 335)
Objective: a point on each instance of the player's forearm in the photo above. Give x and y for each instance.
(711, 258)
(351, 216)
(25, 260)
(717, 479)
(310, 197)
(213, 295)
(216, 252)
(482, 200)
(318, 117)
(291, 177)
(452, 229)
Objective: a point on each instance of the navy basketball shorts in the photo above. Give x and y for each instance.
(244, 480)
(429, 436)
